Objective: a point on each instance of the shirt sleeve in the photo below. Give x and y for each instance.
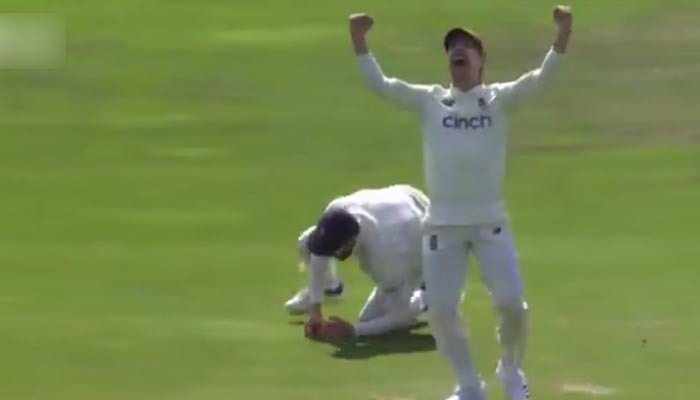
(396, 91)
(527, 83)
(317, 278)
(302, 244)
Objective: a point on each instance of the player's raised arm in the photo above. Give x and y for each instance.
(528, 82)
(564, 20)
(394, 90)
(360, 25)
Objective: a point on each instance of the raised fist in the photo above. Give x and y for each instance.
(563, 17)
(360, 24)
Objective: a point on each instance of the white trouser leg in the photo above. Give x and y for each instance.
(445, 257)
(374, 306)
(386, 311)
(494, 248)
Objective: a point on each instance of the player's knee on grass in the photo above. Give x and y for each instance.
(373, 308)
(400, 321)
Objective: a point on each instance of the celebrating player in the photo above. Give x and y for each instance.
(465, 140)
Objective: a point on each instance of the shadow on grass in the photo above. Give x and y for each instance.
(404, 342)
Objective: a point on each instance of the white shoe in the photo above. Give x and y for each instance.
(514, 382)
(418, 302)
(299, 303)
(470, 393)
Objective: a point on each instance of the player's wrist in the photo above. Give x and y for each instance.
(315, 312)
(559, 49)
(561, 42)
(564, 34)
(359, 44)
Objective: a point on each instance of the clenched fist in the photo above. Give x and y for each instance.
(563, 18)
(360, 24)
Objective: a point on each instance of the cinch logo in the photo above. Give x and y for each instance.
(455, 122)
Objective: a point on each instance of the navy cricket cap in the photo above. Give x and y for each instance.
(335, 228)
(455, 33)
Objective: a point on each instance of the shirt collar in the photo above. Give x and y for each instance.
(456, 92)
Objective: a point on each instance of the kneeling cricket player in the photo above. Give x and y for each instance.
(382, 229)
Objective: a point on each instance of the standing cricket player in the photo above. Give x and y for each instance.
(464, 131)
(382, 228)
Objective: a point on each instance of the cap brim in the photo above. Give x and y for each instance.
(458, 32)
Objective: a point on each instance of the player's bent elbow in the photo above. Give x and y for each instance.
(377, 84)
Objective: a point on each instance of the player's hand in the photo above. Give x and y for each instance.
(360, 24)
(313, 325)
(313, 328)
(336, 329)
(563, 18)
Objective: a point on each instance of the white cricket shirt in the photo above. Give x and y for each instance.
(388, 247)
(464, 139)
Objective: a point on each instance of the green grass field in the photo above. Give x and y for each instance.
(153, 188)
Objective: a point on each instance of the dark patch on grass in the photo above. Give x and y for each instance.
(405, 342)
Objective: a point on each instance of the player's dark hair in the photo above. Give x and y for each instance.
(333, 230)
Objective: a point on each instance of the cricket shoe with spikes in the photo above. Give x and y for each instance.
(299, 303)
(514, 382)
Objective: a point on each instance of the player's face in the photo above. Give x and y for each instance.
(465, 61)
(345, 251)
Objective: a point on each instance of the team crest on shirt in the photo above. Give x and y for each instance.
(448, 102)
(482, 103)
(433, 242)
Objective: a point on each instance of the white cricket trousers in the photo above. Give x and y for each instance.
(387, 311)
(446, 253)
